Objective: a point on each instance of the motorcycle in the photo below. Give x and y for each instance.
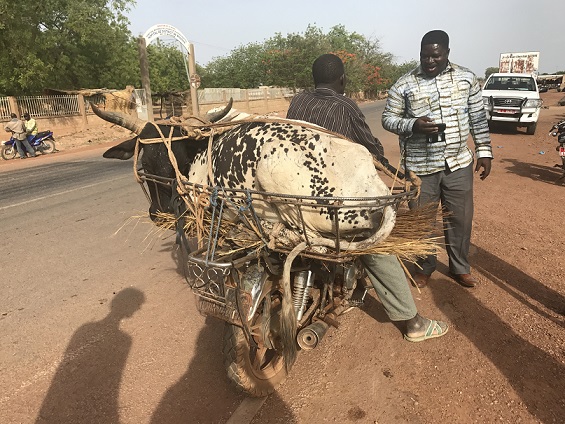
(558, 130)
(42, 142)
(277, 292)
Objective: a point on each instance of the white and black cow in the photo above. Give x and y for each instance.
(276, 157)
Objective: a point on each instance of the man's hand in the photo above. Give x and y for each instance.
(424, 125)
(484, 163)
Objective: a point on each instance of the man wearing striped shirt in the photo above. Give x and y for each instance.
(330, 109)
(335, 112)
(440, 92)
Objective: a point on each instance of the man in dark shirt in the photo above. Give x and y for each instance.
(327, 107)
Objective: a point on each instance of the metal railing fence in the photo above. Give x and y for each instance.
(46, 106)
(39, 106)
(5, 108)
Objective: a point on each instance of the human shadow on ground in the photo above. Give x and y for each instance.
(520, 285)
(546, 174)
(85, 387)
(535, 376)
(203, 394)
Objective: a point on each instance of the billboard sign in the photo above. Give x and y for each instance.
(522, 63)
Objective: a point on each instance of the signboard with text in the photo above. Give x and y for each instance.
(522, 63)
(164, 30)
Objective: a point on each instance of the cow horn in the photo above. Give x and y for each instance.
(135, 125)
(216, 116)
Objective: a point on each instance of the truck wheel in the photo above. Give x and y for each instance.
(531, 129)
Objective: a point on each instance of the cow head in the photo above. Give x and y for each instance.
(155, 156)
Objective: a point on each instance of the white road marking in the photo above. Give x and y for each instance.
(63, 192)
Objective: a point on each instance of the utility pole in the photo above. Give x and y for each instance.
(144, 67)
(194, 80)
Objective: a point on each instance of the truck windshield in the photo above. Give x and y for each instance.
(510, 83)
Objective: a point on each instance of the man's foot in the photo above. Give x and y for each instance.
(421, 280)
(420, 329)
(466, 280)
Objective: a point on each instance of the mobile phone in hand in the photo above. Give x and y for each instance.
(441, 127)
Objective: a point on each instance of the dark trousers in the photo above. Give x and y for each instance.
(454, 190)
(22, 146)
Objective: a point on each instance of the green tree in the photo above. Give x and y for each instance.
(167, 68)
(65, 44)
(491, 70)
(286, 61)
(242, 68)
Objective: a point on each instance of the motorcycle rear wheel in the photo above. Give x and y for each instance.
(48, 145)
(255, 370)
(8, 152)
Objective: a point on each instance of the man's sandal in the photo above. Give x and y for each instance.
(435, 329)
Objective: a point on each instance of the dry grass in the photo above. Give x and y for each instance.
(411, 238)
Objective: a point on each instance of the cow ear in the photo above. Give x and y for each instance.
(122, 151)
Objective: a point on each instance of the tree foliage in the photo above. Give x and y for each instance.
(286, 61)
(491, 70)
(241, 69)
(167, 69)
(87, 44)
(65, 44)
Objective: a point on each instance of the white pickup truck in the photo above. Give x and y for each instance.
(513, 98)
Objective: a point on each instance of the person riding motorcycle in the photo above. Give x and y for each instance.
(31, 127)
(18, 129)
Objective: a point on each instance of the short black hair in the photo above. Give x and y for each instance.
(437, 36)
(13, 115)
(327, 68)
(26, 115)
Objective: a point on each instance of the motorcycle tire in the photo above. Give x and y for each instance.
(256, 371)
(8, 152)
(48, 145)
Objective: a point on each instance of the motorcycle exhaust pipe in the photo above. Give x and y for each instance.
(309, 337)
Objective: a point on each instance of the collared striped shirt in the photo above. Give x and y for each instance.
(334, 112)
(454, 98)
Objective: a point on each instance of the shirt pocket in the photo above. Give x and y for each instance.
(418, 104)
(460, 94)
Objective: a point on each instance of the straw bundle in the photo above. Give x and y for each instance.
(412, 236)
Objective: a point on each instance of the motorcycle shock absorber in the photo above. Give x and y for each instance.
(303, 283)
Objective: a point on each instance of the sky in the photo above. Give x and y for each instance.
(479, 30)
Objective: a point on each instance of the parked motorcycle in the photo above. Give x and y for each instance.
(275, 299)
(42, 142)
(558, 130)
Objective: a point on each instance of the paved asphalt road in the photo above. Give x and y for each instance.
(94, 310)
